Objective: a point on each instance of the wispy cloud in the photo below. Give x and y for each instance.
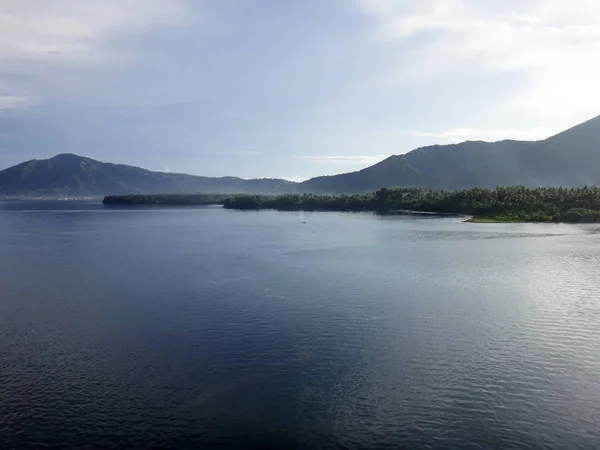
(72, 30)
(296, 179)
(231, 87)
(456, 135)
(12, 102)
(235, 154)
(345, 159)
(48, 45)
(548, 41)
(15, 96)
(334, 164)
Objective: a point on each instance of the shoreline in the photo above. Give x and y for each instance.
(556, 222)
(511, 204)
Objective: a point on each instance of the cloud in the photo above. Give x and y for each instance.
(346, 159)
(234, 154)
(317, 165)
(72, 30)
(16, 96)
(12, 102)
(62, 50)
(198, 86)
(297, 179)
(548, 42)
(456, 135)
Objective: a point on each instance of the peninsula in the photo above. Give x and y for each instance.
(502, 204)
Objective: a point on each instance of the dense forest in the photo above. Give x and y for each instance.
(503, 204)
(166, 199)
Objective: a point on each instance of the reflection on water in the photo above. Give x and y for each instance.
(187, 328)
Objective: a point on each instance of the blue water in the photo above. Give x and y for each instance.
(203, 327)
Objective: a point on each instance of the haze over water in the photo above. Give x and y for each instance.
(183, 328)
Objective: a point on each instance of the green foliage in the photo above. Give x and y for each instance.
(245, 202)
(504, 204)
(304, 202)
(166, 199)
(581, 215)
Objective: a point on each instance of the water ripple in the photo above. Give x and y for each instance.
(206, 328)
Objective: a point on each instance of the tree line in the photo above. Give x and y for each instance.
(166, 199)
(512, 203)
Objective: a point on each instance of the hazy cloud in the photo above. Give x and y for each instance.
(288, 89)
(549, 42)
(366, 159)
(72, 31)
(456, 135)
(14, 102)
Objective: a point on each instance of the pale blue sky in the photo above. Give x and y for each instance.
(293, 89)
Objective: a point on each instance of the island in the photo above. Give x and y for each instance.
(502, 204)
(165, 199)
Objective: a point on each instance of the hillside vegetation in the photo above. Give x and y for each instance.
(166, 199)
(500, 204)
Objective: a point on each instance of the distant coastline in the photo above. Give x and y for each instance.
(166, 199)
(54, 198)
(503, 204)
(570, 158)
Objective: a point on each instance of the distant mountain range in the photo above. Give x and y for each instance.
(571, 158)
(72, 175)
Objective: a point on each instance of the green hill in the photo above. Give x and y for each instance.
(571, 158)
(74, 175)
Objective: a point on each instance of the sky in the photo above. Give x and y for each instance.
(289, 89)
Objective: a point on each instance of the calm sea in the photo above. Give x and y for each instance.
(203, 327)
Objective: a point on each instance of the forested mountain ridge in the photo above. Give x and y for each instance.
(571, 158)
(74, 175)
(568, 159)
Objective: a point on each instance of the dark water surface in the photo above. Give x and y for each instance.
(201, 328)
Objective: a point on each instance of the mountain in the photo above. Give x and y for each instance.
(72, 175)
(571, 158)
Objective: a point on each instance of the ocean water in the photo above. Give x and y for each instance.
(203, 327)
